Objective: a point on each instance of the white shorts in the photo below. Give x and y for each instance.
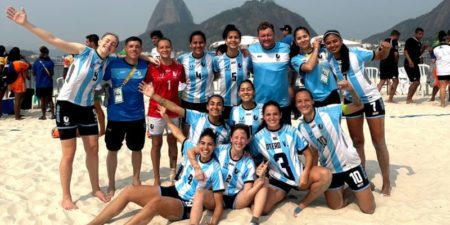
(156, 126)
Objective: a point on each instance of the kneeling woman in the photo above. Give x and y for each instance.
(280, 145)
(173, 202)
(321, 127)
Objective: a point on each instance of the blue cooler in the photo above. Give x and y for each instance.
(8, 106)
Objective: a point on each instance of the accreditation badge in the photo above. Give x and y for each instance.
(324, 75)
(118, 95)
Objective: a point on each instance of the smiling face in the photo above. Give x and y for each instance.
(197, 45)
(333, 43)
(302, 39)
(304, 103)
(246, 92)
(206, 145)
(266, 38)
(239, 140)
(233, 40)
(215, 106)
(272, 117)
(133, 49)
(107, 44)
(164, 49)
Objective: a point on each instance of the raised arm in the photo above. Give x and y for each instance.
(176, 131)
(385, 47)
(149, 91)
(309, 65)
(356, 103)
(20, 17)
(199, 175)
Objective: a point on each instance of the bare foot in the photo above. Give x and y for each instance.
(157, 182)
(67, 204)
(391, 101)
(100, 195)
(110, 193)
(431, 100)
(409, 101)
(136, 182)
(386, 190)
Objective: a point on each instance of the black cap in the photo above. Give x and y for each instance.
(286, 28)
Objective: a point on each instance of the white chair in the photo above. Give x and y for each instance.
(371, 74)
(403, 81)
(425, 73)
(59, 84)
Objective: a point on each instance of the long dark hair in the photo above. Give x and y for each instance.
(221, 119)
(14, 54)
(344, 52)
(228, 29)
(295, 49)
(294, 109)
(267, 104)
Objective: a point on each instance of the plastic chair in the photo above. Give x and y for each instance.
(403, 81)
(425, 73)
(371, 74)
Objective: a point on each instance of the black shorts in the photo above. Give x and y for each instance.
(201, 107)
(286, 115)
(356, 178)
(332, 98)
(229, 201)
(44, 92)
(132, 131)
(446, 77)
(281, 185)
(226, 112)
(70, 117)
(371, 110)
(172, 192)
(388, 72)
(413, 73)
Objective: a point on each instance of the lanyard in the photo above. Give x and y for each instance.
(129, 76)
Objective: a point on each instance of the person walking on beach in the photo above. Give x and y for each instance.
(348, 63)
(126, 111)
(18, 66)
(389, 66)
(270, 67)
(413, 51)
(442, 55)
(75, 102)
(43, 70)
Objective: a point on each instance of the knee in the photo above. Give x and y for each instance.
(369, 209)
(379, 144)
(358, 142)
(335, 206)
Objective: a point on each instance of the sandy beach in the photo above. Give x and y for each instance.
(417, 136)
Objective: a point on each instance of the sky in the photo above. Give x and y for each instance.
(73, 20)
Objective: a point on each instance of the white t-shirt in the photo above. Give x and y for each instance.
(442, 54)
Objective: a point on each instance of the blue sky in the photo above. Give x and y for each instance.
(72, 20)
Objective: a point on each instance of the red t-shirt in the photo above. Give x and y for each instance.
(165, 80)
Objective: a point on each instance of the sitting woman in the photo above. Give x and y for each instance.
(321, 128)
(173, 202)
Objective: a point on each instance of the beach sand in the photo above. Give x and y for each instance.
(417, 136)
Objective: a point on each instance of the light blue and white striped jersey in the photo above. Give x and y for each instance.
(132, 108)
(281, 148)
(320, 81)
(199, 77)
(250, 117)
(325, 134)
(84, 74)
(270, 69)
(199, 121)
(367, 91)
(187, 184)
(232, 71)
(234, 173)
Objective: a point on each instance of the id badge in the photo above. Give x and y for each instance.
(118, 96)
(324, 75)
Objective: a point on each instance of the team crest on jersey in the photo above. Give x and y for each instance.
(284, 144)
(241, 118)
(239, 65)
(203, 64)
(236, 171)
(174, 74)
(152, 126)
(191, 67)
(278, 57)
(320, 126)
(255, 117)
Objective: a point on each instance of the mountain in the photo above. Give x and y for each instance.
(249, 16)
(432, 22)
(246, 17)
(169, 12)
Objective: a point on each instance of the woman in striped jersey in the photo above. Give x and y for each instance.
(231, 68)
(173, 202)
(248, 112)
(321, 128)
(281, 144)
(348, 63)
(75, 103)
(198, 121)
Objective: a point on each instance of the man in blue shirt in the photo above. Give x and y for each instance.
(270, 67)
(287, 34)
